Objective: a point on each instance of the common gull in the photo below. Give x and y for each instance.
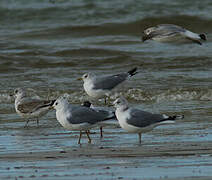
(172, 33)
(137, 121)
(102, 86)
(28, 107)
(77, 118)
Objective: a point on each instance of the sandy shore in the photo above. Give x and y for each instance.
(91, 161)
(180, 151)
(141, 151)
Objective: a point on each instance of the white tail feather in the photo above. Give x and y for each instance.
(167, 122)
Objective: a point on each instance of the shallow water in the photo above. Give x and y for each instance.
(46, 46)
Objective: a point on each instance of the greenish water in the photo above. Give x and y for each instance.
(46, 45)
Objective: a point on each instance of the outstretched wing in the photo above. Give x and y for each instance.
(170, 28)
(167, 30)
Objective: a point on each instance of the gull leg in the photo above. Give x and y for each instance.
(26, 123)
(101, 132)
(80, 137)
(107, 98)
(139, 135)
(89, 139)
(37, 122)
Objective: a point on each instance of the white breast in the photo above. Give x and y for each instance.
(62, 119)
(88, 86)
(122, 117)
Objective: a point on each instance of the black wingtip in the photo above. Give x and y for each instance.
(86, 104)
(176, 117)
(111, 117)
(52, 102)
(48, 104)
(203, 37)
(132, 72)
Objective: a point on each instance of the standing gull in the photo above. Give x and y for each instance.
(102, 86)
(28, 107)
(138, 121)
(172, 33)
(110, 122)
(78, 118)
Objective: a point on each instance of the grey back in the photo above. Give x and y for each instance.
(141, 118)
(110, 82)
(80, 114)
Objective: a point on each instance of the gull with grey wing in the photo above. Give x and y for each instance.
(137, 121)
(171, 33)
(102, 86)
(77, 118)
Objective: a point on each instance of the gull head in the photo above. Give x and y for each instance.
(86, 77)
(149, 30)
(19, 92)
(120, 103)
(147, 34)
(60, 103)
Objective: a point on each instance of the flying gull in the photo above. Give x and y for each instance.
(172, 33)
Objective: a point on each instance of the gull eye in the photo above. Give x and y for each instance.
(118, 102)
(56, 103)
(86, 75)
(16, 91)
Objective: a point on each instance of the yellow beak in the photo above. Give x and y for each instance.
(79, 79)
(51, 107)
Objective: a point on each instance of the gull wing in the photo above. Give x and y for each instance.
(170, 28)
(109, 82)
(167, 30)
(29, 105)
(141, 118)
(85, 115)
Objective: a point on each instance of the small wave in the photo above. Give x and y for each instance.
(85, 52)
(194, 23)
(169, 95)
(6, 98)
(153, 95)
(132, 28)
(133, 95)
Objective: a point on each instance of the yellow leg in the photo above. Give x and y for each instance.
(89, 139)
(37, 122)
(105, 100)
(80, 137)
(26, 123)
(139, 134)
(101, 132)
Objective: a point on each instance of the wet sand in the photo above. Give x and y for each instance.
(46, 45)
(183, 151)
